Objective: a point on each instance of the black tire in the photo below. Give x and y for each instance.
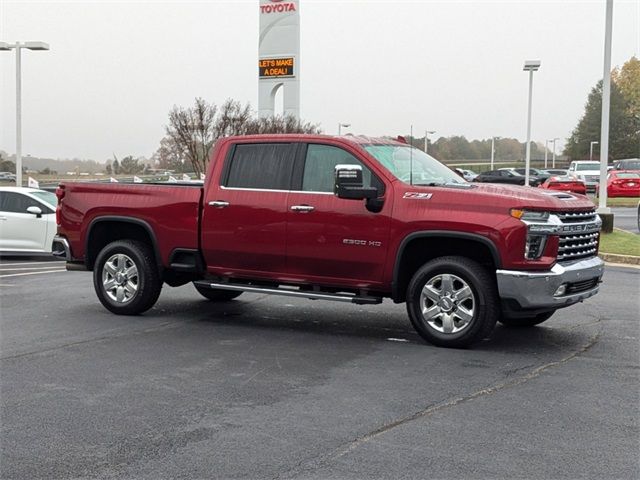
(481, 309)
(138, 291)
(217, 295)
(526, 321)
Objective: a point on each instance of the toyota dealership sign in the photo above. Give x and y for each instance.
(279, 56)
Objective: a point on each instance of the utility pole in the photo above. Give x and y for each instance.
(426, 139)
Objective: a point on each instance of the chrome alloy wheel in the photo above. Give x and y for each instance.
(120, 278)
(447, 303)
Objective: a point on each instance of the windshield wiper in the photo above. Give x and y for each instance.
(459, 184)
(430, 184)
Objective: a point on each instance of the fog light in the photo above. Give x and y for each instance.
(561, 290)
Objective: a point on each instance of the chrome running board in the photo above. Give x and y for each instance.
(292, 292)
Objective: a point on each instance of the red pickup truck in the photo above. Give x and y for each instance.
(353, 219)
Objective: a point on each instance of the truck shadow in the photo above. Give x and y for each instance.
(379, 323)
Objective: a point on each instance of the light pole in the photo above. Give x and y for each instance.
(553, 162)
(529, 66)
(546, 152)
(604, 122)
(426, 139)
(340, 125)
(18, 48)
(591, 149)
(493, 149)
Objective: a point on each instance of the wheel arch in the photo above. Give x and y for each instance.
(101, 232)
(419, 247)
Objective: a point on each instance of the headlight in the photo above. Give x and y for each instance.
(539, 226)
(530, 215)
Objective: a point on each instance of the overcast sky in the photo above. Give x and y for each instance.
(116, 68)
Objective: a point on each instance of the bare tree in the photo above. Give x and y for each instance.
(192, 132)
(232, 119)
(170, 155)
(280, 124)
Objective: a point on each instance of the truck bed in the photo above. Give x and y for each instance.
(170, 210)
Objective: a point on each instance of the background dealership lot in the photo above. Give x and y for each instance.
(266, 387)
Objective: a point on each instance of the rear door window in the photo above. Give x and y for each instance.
(266, 166)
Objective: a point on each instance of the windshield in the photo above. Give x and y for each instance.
(629, 165)
(413, 166)
(47, 197)
(580, 167)
(628, 175)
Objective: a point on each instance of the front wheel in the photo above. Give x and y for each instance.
(126, 278)
(526, 321)
(452, 302)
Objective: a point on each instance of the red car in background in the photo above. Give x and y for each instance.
(622, 183)
(565, 184)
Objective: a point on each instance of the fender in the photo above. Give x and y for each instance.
(135, 221)
(439, 233)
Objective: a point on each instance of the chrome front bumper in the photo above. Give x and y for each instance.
(535, 290)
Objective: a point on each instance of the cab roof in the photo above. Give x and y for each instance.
(303, 137)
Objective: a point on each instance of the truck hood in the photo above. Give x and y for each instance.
(532, 197)
(491, 195)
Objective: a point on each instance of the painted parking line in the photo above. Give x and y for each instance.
(55, 264)
(6, 268)
(31, 273)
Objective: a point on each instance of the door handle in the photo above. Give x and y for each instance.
(303, 208)
(3, 218)
(219, 204)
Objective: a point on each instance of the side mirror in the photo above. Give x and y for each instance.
(348, 183)
(37, 211)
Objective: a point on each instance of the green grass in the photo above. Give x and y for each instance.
(619, 201)
(620, 242)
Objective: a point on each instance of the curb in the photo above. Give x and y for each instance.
(615, 258)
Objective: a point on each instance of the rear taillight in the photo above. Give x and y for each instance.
(60, 191)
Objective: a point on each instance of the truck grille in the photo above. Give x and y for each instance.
(577, 217)
(575, 245)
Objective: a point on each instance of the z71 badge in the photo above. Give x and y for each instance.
(418, 195)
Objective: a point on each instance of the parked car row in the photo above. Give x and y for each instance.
(512, 176)
(623, 178)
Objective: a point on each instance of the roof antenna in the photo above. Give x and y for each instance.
(411, 158)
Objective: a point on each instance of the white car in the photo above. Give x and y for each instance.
(587, 171)
(27, 221)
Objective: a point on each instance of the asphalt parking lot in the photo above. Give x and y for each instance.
(626, 218)
(270, 387)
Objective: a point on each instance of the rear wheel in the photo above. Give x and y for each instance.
(126, 278)
(452, 302)
(526, 321)
(216, 294)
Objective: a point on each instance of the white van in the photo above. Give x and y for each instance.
(587, 171)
